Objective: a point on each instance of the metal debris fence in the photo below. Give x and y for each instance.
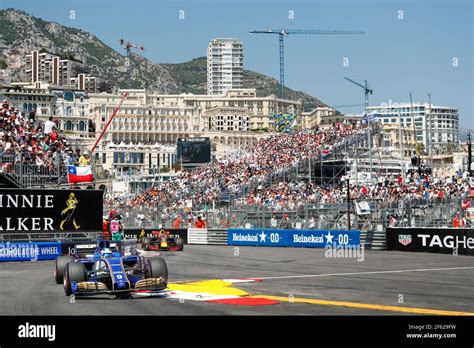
(405, 213)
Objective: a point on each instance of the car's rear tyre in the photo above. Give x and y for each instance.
(146, 242)
(180, 243)
(75, 271)
(157, 268)
(59, 267)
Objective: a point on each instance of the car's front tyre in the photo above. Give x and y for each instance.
(75, 271)
(59, 267)
(156, 268)
(180, 244)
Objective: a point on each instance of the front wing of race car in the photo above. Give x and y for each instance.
(158, 246)
(89, 287)
(115, 280)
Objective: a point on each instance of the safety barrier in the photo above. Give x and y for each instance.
(38, 251)
(205, 236)
(29, 251)
(218, 237)
(454, 241)
(294, 238)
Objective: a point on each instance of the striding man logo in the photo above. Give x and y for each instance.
(71, 204)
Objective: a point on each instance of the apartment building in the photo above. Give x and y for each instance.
(50, 69)
(435, 125)
(225, 63)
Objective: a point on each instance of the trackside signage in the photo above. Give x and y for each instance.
(293, 238)
(139, 233)
(29, 251)
(50, 210)
(444, 241)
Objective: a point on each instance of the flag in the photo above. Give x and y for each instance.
(326, 153)
(79, 174)
(371, 118)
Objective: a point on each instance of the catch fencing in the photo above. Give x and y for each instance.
(382, 214)
(44, 236)
(22, 171)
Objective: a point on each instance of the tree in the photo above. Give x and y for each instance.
(105, 86)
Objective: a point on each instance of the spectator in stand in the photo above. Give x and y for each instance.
(177, 222)
(106, 228)
(32, 116)
(49, 125)
(458, 222)
(311, 223)
(286, 223)
(200, 223)
(85, 159)
(273, 222)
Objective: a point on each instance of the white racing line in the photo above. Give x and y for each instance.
(243, 280)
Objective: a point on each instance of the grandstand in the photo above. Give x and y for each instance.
(30, 157)
(273, 184)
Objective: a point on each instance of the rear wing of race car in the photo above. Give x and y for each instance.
(87, 248)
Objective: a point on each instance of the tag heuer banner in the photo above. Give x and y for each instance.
(50, 210)
(458, 241)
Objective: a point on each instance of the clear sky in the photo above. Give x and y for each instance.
(417, 46)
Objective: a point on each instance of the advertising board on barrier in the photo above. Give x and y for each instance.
(293, 238)
(433, 240)
(137, 233)
(29, 251)
(27, 210)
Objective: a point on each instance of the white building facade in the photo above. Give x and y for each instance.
(435, 126)
(225, 63)
(150, 121)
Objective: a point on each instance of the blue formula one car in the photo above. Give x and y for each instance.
(109, 271)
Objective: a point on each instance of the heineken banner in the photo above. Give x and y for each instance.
(293, 238)
(27, 210)
(458, 241)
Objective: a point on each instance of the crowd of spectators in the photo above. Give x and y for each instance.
(390, 190)
(238, 173)
(245, 176)
(38, 145)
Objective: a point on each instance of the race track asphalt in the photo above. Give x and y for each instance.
(380, 284)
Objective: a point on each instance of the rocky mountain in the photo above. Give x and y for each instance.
(21, 33)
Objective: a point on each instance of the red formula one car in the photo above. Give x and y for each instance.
(163, 240)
